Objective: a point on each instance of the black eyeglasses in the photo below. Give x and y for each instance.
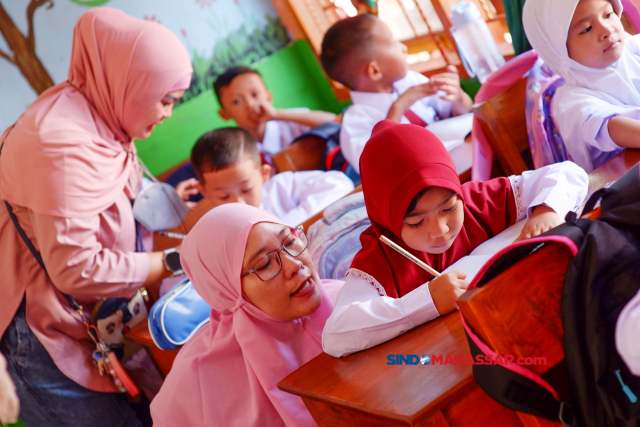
(269, 265)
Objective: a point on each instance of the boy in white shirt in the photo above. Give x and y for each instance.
(361, 53)
(229, 169)
(243, 97)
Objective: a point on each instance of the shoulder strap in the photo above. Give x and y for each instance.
(36, 255)
(33, 250)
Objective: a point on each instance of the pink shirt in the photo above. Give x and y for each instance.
(69, 168)
(88, 258)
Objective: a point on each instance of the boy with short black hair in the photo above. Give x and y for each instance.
(228, 165)
(243, 97)
(361, 53)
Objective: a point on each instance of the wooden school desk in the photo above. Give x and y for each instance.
(523, 320)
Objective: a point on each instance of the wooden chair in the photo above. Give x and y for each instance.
(502, 119)
(303, 155)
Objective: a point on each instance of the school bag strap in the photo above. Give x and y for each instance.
(623, 191)
(509, 384)
(32, 248)
(520, 389)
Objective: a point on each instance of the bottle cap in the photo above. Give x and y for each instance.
(464, 13)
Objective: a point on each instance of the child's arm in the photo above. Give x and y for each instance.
(627, 332)
(186, 189)
(542, 220)
(410, 97)
(448, 82)
(624, 131)
(547, 194)
(309, 118)
(297, 196)
(362, 318)
(9, 402)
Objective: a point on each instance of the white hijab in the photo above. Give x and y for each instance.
(546, 23)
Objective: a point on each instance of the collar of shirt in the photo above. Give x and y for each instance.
(379, 101)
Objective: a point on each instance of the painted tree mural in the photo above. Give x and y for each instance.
(218, 34)
(23, 47)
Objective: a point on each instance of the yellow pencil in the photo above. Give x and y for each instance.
(421, 264)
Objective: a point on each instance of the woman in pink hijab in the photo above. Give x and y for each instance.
(68, 170)
(268, 311)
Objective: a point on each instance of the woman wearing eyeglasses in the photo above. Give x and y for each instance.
(268, 310)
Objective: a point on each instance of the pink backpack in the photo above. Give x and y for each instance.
(545, 141)
(498, 82)
(547, 146)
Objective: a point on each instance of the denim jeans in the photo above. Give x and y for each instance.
(47, 397)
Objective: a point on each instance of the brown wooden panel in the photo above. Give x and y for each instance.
(519, 312)
(486, 412)
(614, 168)
(303, 155)
(163, 359)
(502, 119)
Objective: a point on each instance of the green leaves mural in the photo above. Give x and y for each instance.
(240, 47)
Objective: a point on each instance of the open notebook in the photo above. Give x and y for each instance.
(473, 262)
(452, 131)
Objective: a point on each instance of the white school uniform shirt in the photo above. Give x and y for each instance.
(627, 333)
(279, 134)
(295, 196)
(363, 318)
(582, 108)
(369, 108)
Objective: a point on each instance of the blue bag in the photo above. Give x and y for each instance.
(177, 316)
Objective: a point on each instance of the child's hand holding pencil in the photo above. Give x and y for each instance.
(445, 288)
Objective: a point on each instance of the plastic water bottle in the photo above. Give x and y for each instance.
(478, 50)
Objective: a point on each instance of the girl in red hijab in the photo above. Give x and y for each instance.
(414, 197)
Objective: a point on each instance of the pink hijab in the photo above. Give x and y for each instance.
(227, 374)
(71, 141)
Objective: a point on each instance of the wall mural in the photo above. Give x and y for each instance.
(35, 42)
(241, 47)
(22, 47)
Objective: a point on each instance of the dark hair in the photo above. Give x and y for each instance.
(227, 77)
(346, 46)
(220, 148)
(415, 200)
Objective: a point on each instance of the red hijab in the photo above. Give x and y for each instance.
(397, 163)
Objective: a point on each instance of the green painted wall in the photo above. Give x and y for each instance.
(292, 74)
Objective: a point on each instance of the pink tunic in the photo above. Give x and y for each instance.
(69, 170)
(88, 258)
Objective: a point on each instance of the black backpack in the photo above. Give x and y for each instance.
(601, 278)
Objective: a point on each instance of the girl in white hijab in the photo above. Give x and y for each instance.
(583, 41)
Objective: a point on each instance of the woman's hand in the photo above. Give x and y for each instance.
(446, 289)
(543, 219)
